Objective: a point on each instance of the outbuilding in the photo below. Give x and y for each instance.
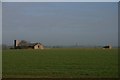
(25, 45)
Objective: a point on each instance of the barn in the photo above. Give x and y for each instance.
(26, 45)
(36, 46)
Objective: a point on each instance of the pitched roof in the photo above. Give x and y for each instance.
(33, 44)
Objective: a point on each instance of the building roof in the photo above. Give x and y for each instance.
(33, 44)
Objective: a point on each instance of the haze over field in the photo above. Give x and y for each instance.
(60, 23)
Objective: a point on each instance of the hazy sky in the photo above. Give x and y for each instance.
(0, 23)
(59, 0)
(60, 23)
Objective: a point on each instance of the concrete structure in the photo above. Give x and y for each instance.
(16, 43)
(19, 45)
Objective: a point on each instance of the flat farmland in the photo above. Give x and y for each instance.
(60, 63)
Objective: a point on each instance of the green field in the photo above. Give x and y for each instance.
(63, 63)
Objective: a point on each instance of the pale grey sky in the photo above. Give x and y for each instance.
(59, 0)
(61, 23)
(0, 23)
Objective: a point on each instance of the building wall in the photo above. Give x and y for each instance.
(38, 46)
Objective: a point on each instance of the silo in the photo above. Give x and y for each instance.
(16, 43)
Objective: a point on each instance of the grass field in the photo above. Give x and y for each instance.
(63, 63)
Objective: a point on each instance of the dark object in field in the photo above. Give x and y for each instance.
(107, 47)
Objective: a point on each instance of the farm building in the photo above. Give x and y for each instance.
(25, 45)
(107, 47)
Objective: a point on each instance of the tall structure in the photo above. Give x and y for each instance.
(16, 43)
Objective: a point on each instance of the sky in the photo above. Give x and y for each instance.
(0, 24)
(60, 23)
(59, 0)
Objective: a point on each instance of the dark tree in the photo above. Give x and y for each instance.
(23, 43)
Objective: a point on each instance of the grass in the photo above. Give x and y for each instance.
(63, 63)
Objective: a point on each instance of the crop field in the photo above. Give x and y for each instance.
(60, 63)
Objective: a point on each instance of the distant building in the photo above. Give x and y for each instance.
(25, 45)
(107, 47)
